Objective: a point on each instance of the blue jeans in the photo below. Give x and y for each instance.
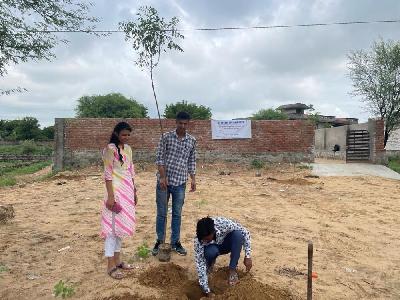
(232, 243)
(178, 198)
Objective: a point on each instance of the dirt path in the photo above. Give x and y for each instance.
(353, 222)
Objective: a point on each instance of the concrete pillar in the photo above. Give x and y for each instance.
(59, 135)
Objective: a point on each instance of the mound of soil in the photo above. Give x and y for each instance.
(174, 283)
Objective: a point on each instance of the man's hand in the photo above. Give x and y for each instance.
(248, 263)
(193, 186)
(163, 183)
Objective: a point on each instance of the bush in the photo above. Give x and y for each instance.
(394, 163)
(257, 164)
(29, 147)
(269, 114)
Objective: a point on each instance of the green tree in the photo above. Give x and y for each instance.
(376, 78)
(150, 36)
(27, 29)
(48, 133)
(7, 129)
(28, 129)
(197, 112)
(112, 105)
(269, 114)
(24, 129)
(314, 118)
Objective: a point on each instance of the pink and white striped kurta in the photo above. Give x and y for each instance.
(122, 224)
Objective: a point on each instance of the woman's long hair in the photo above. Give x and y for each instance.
(114, 136)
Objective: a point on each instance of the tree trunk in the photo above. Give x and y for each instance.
(386, 137)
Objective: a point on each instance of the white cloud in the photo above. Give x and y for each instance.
(236, 73)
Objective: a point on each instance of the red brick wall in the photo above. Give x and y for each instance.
(380, 136)
(267, 136)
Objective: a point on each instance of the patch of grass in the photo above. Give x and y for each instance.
(6, 167)
(32, 168)
(305, 167)
(62, 289)
(26, 147)
(8, 172)
(7, 181)
(257, 164)
(394, 163)
(143, 251)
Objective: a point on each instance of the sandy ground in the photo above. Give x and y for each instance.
(353, 222)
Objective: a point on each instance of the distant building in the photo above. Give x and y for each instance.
(296, 112)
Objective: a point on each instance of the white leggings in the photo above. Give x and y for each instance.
(112, 244)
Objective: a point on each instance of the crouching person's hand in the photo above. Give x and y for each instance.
(208, 295)
(248, 263)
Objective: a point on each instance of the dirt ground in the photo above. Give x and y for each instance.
(352, 221)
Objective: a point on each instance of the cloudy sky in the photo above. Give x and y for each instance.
(235, 73)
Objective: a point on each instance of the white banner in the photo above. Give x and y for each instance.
(230, 129)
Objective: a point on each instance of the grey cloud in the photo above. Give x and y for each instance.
(234, 72)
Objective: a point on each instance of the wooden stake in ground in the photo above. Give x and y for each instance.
(309, 275)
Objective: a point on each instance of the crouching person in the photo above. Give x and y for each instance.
(219, 236)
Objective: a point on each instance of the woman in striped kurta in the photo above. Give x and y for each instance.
(118, 213)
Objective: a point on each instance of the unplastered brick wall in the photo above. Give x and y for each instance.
(379, 153)
(80, 141)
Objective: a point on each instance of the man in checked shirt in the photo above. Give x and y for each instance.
(176, 159)
(219, 236)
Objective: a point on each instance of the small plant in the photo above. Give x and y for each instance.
(143, 251)
(201, 203)
(257, 164)
(3, 269)
(63, 290)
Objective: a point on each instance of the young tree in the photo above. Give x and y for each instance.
(150, 36)
(28, 129)
(376, 78)
(269, 114)
(27, 29)
(112, 105)
(197, 112)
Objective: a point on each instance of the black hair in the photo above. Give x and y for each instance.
(114, 136)
(182, 115)
(205, 227)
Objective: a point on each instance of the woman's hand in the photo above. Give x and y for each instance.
(110, 202)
